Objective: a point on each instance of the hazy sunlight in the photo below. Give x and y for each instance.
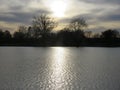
(58, 8)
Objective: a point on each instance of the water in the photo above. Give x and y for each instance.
(59, 68)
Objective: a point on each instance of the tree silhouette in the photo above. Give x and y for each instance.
(30, 32)
(7, 35)
(1, 34)
(77, 24)
(96, 35)
(22, 29)
(88, 34)
(40, 34)
(109, 34)
(43, 24)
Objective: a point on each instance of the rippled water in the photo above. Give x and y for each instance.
(59, 68)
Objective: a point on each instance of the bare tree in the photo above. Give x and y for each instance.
(22, 29)
(43, 24)
(109, 34)
(77, 24)
(88, 34)
(97, 35)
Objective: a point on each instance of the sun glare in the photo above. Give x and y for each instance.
(58, 8)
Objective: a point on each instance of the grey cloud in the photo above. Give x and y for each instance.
(112, 17)
(101, 14)
(21, 17)
(18, 17)
(87, 16)
(102, 1)
(94, 18)
(17, 9)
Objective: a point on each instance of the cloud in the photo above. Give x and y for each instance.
(102, 1)
(19, 11)
(100, 18)
(110, 18)
(21, 17)
(98, 13)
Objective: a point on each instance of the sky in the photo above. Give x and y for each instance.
(99, 14)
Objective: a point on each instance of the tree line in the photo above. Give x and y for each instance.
(40, 33)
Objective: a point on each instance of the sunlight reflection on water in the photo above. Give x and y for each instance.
(58, 63)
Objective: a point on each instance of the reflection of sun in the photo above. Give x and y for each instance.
(58, 66)
(59, 56)
(58, 8)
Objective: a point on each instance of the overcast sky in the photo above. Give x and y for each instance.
(99, 14)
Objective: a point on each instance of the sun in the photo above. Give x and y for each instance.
(58, 8)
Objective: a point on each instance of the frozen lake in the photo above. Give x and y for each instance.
(59, 68)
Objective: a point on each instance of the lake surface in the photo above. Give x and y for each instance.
(59, 68)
